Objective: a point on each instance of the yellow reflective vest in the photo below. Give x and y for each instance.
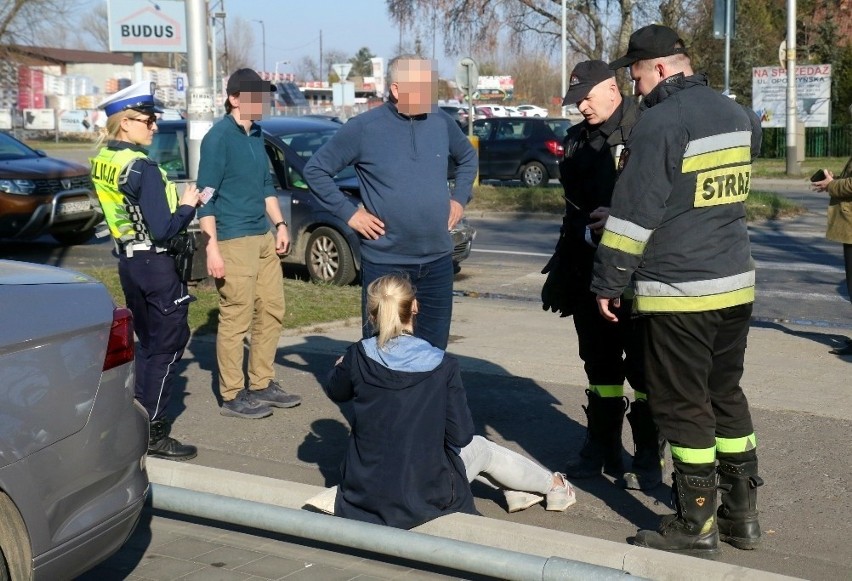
(109, 172)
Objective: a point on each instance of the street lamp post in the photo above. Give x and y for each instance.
(276, 67)
(263, 40)
(215, 64)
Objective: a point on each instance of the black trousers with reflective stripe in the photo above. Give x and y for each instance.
(610, 352)
(159, 302)
(693, 367)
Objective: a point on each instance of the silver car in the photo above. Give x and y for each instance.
(72, 438)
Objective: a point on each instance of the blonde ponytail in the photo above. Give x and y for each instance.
(390, 306)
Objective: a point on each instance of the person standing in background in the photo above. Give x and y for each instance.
(242, 254)
(401, 152)
(677, 229)
(588, 171)
(840, 222)
(148, 224)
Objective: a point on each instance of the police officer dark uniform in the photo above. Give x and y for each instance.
(677, 229)
(148, 224)
(588, 172)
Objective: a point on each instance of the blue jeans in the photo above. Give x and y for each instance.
(433, 282)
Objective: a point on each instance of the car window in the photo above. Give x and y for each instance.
(276, 161)
(512, 130)
(482, 129)
(559, 126)
(11, 148)
(165, 150)
(305, 145)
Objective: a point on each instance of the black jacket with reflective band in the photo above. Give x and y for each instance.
(677, 221)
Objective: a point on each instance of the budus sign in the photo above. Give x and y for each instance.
(147, 26)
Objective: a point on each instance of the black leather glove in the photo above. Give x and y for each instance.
(556, 294)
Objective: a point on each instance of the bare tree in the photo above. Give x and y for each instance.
(22, 21)
(595, 28)
(307, 69)
(94, 27)
(241, 41)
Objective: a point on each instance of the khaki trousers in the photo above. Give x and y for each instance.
(251, 300)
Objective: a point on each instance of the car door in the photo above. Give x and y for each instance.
(483, 129)
(508, 146)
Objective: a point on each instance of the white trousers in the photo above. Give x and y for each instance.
(502, 468)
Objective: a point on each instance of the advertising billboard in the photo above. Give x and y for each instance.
(147, 26)
(813, 95)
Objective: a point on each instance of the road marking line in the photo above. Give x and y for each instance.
(512, 252)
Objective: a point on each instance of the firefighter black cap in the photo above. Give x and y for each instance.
(650, 42)
(584, 77)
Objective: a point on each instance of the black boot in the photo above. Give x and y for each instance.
(647, 470)
(693, 529)
(602, 449)
(737, 516)
(163, 446)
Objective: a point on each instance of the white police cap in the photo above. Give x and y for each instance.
(139, 96)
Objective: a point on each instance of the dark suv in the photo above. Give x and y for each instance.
(44, 195)
(524, 148)
(322, 242)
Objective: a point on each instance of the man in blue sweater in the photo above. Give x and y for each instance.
(401, 153)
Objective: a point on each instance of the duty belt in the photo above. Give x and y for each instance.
(129, 249)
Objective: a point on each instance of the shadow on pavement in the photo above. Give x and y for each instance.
(830, 340)
(505, 408)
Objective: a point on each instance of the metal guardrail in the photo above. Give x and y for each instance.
(420, 547)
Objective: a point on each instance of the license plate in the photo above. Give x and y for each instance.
(66, 208)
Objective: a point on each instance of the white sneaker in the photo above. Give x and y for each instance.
(517, 500)
(561, 497)
(324, 501)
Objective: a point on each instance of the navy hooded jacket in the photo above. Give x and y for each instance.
(411, 418)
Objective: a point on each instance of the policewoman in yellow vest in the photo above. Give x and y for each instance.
(148, 224)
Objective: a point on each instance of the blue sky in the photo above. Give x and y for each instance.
(293, 30)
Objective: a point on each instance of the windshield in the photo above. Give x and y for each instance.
(11, 148)
(306, 143)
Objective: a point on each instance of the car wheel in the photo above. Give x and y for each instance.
(14, 542)
(533, 175)
(329, 258)
(73, 238)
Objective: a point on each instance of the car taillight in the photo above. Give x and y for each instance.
(120, 346)
(554, 147)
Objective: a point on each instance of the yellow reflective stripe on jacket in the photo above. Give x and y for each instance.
(694, 455)
(716, 151)
(734, 445)
(626, 236)
(607, 390)
(694, 296)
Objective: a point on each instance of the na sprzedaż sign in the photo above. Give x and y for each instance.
(813, 95)
(136, 26)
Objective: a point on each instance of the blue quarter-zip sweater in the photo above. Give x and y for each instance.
(401, 163)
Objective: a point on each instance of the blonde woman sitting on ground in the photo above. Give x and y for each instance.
(412, 451)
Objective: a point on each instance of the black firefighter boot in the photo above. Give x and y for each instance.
(693, 529)
(602, 449)
(647, 470)
(737, 516)
(163, 446)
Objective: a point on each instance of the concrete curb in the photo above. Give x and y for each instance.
(463, 527)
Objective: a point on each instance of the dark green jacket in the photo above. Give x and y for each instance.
(236, 166)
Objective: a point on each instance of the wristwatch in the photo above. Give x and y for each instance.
(281, 223)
